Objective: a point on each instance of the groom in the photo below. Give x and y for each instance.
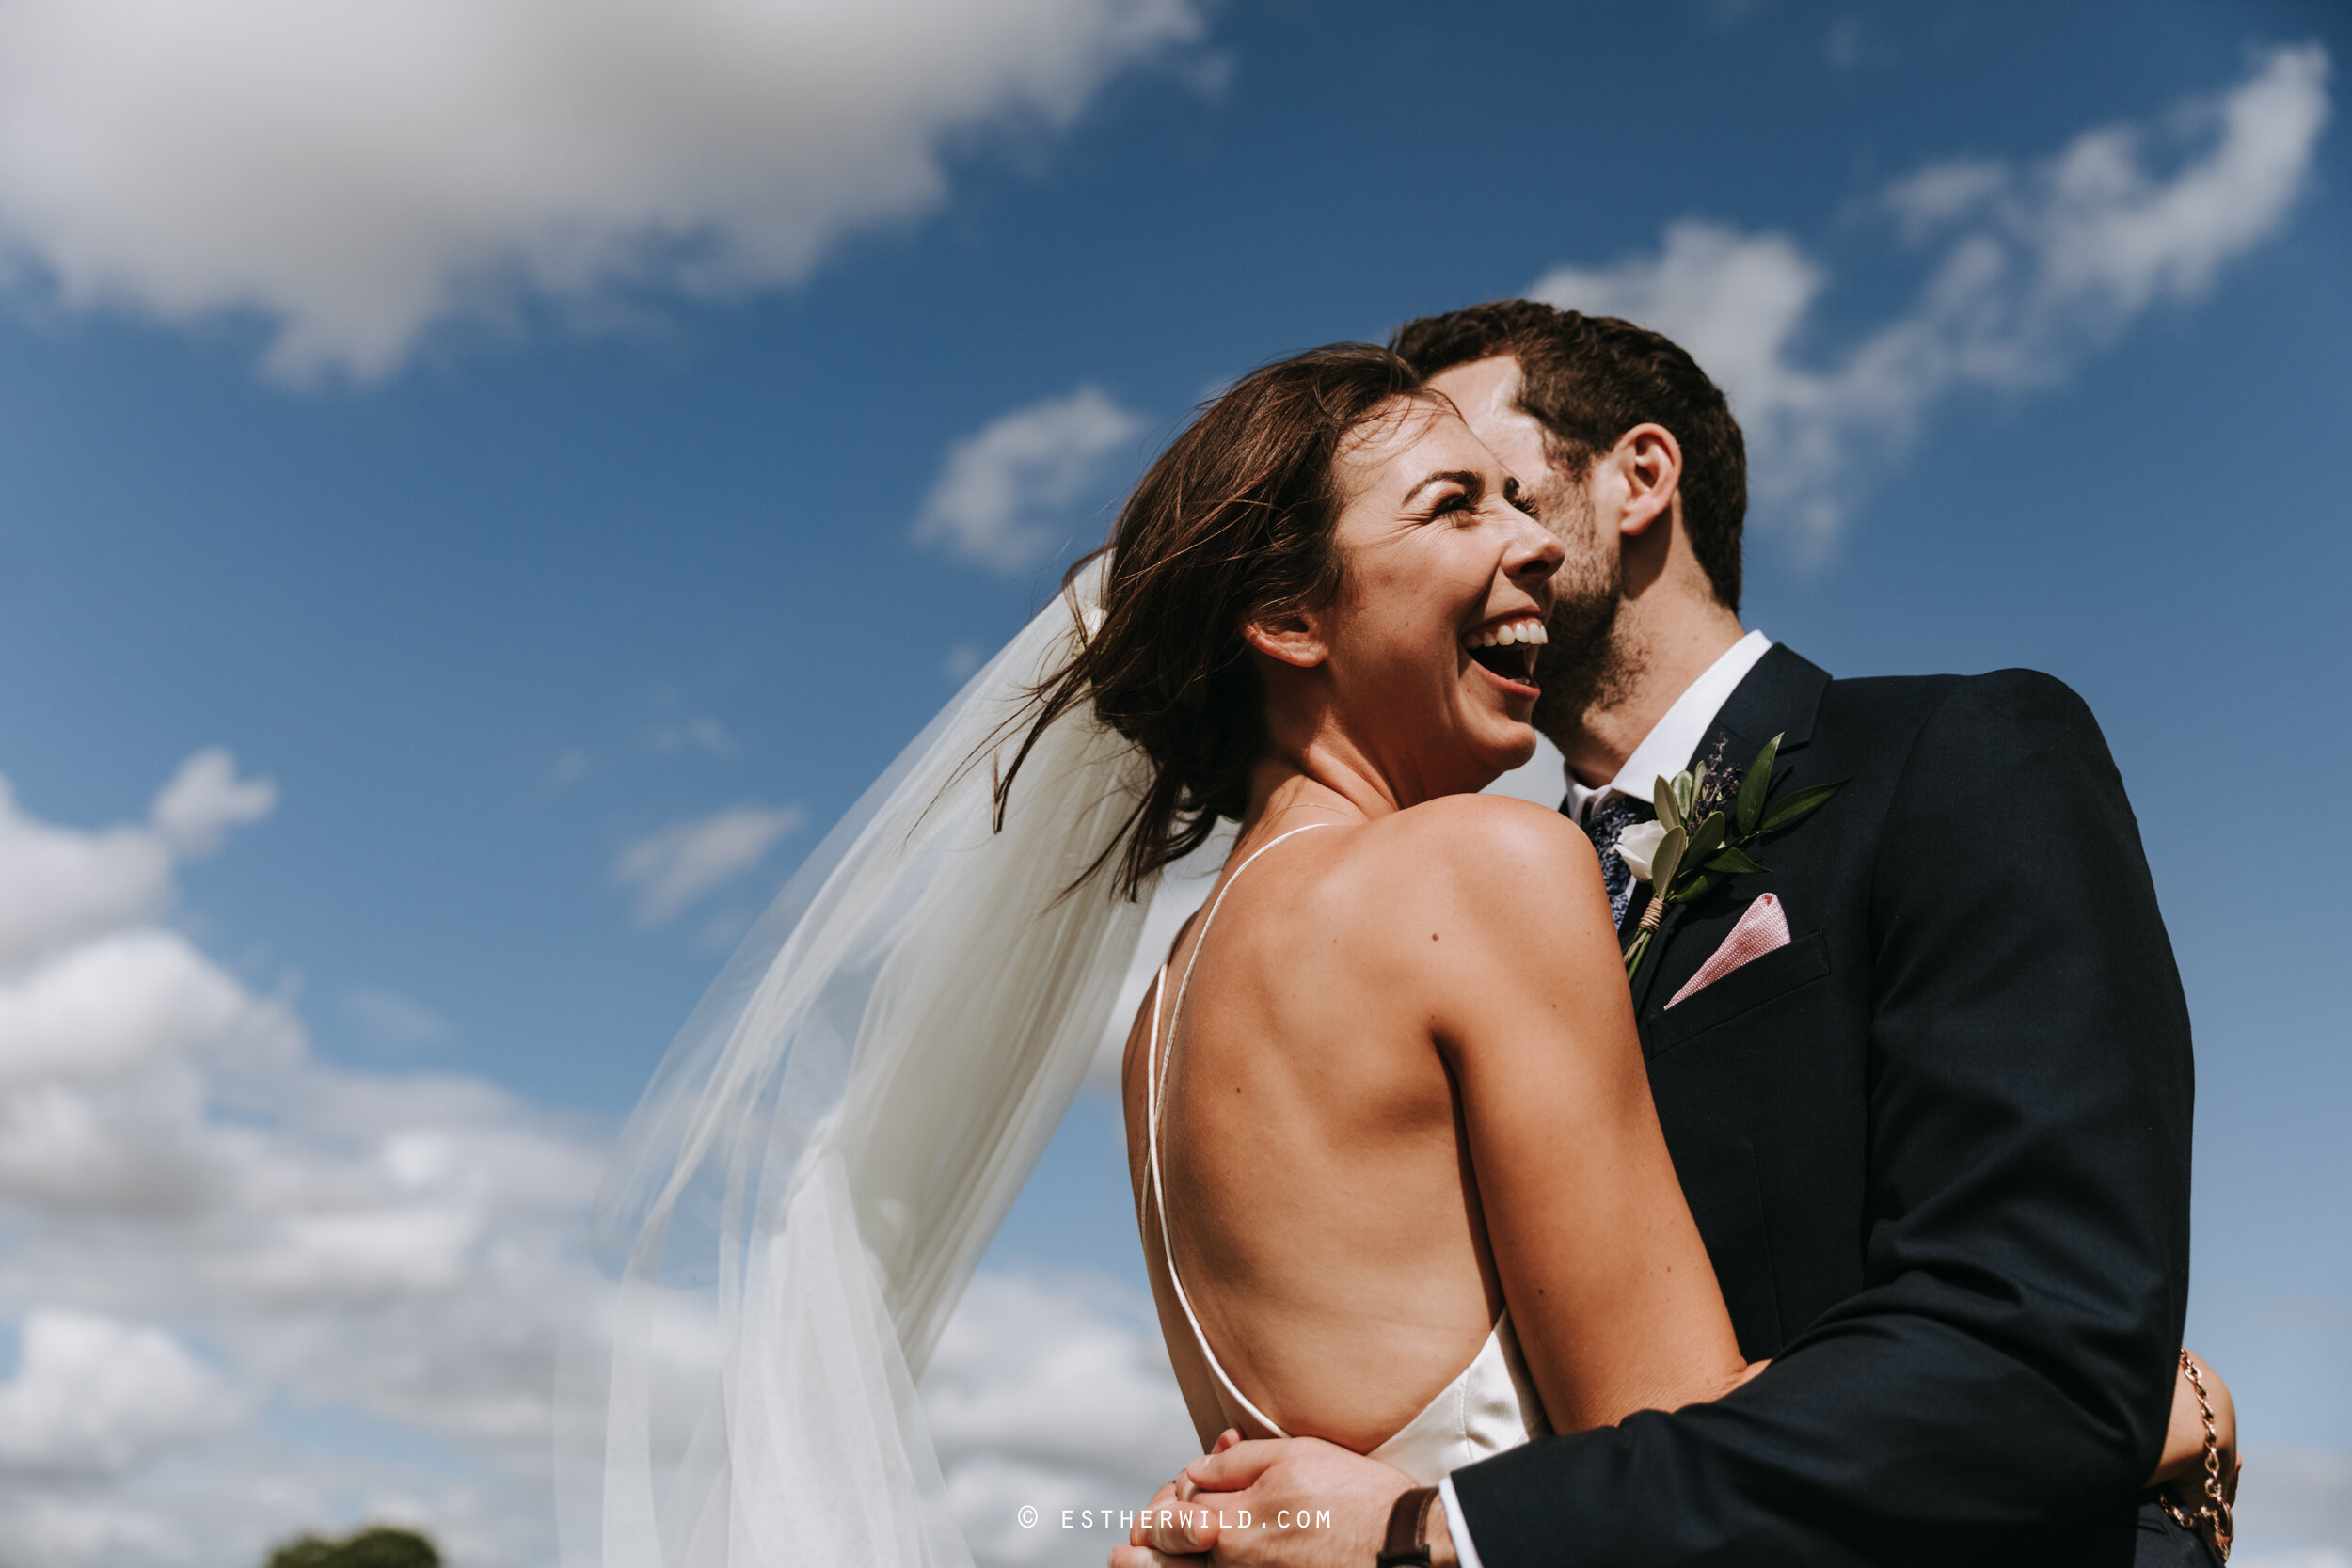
(1936, 1139)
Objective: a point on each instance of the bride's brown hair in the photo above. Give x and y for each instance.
(1232, 525)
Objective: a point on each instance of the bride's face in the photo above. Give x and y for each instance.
(1446, 581)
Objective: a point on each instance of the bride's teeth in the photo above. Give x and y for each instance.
(1523, 633)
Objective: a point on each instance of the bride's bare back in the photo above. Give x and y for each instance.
(1407, 1049)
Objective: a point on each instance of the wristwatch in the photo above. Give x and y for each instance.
(1408, 1546)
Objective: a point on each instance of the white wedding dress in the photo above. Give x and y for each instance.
(1490, 1405)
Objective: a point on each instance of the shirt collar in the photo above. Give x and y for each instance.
(1679, 732)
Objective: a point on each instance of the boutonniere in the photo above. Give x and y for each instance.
(1697, 845)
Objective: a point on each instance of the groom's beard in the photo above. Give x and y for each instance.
(1593, 661)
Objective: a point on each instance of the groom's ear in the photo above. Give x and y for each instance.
(1646, 468)
(1294, 638)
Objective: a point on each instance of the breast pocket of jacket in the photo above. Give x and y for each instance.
(1755, 984)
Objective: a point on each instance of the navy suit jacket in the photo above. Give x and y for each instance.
(1938, 1148)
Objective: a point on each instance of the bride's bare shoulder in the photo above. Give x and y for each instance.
(1480, 914)
(1488, 835)
(1492, 911)
(1486, 857)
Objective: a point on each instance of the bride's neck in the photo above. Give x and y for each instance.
(1320, 784)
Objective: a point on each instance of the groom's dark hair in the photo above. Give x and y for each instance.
(1589, 379)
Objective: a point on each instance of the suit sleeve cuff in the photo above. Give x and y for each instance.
(1457, 1526)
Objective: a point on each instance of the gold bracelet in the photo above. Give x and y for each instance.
(2212, 1521)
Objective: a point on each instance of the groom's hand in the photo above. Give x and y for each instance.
(1306, 1503)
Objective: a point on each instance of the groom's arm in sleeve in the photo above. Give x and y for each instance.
(2006, 1372)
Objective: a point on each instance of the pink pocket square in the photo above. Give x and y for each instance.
(1762, 927)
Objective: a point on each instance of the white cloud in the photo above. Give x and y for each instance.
(395, 1022)
(116, 1151)
(673, 867)
(112, 1005)
(363, 1255)
(2034, 269)
(351, 173)
(1002, 489)
(205, 799)
(93, 1394)
(63, 884)
(201, 1228)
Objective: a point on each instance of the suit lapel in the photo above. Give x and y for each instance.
(1780, 696)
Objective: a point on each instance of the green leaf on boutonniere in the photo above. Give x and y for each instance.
(1662, 802)
(1667, 860)
(1758, 785)
(1707, 839)
(1733, 861)
(1799, 804)
(1698, 887)
(1686, 791)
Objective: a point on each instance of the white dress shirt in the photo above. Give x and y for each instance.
(1665, 750)
(1680, 731)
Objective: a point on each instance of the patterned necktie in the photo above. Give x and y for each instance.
(1603, 824)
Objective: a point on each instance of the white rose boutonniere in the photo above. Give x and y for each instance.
(1637, 845)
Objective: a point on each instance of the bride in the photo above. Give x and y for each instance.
(1399, 1176)
(1388, 1083)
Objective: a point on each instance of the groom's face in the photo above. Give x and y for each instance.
(1588, 656)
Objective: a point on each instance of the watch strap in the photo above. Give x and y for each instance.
(1408, 1546)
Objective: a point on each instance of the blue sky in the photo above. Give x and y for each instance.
(559, 550)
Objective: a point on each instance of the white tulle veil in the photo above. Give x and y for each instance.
(831, 1141)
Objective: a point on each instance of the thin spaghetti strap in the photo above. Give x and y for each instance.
(1154, 1081)
(1185, 983)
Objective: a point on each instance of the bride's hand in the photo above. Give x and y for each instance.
(1185, 1540)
